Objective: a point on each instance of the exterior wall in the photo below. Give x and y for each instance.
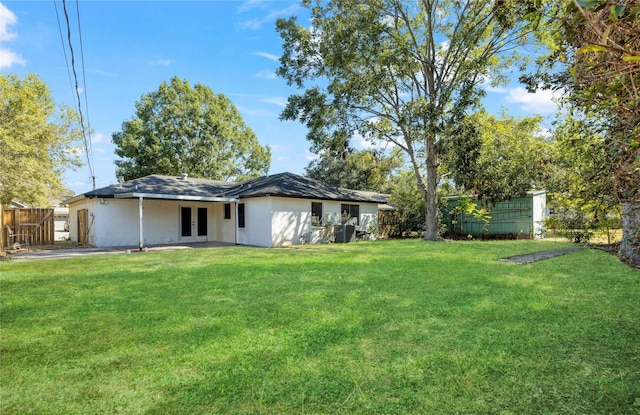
(280, 221)
(221, 229)
(291, 218)
(114, 222)
(269, 221)
(257, 230)
(368, 215)
(88, 204)
(539, 215)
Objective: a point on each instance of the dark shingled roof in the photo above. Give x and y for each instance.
(165, 185)
(292, 185)
(282, 184)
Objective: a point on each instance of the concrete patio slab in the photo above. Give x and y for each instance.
(35, 254)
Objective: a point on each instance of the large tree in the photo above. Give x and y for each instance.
(497, 157)
(583, 193)
(405, 72)
(606, 72)
(357, 169)
(38, 141)
(179, 129)
(596, 46)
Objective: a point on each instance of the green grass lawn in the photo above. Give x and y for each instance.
(388, 327)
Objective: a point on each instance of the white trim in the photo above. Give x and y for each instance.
(140, 223)
(175, 197)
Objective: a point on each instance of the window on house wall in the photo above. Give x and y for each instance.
(202, 221)
(227, 210)
(350, 211)
(316, 213)
(241, 215)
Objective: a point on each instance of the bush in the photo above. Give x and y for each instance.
(570, 223)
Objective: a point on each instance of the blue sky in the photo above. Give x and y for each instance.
(131, 47)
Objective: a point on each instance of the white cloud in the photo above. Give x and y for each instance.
(269, 56)
(279, 101)
(541, 101)
(486, 84)
(8, 58)
(100, 138)
(7, 18)
(311, 156)
(254, 112)
(280, 148)
(266, 74)
(252, 4)
(255, 24)
(161, 62)
(361, 143)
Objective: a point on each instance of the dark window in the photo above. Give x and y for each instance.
(316, 213)
(185, 221)
(350, 212)
(227, 210)
(241, 215)
(202, 221)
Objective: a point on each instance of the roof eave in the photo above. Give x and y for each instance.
(132, 195)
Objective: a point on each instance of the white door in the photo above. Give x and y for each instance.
(193, 223)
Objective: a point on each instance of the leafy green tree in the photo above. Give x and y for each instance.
(179, 129)
(398, 71)
(405, 197)
(583, 193)
(38, 141)
(359, 170)
(499, 157)
(595, 56)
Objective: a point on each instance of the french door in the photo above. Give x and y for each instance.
(193, 223)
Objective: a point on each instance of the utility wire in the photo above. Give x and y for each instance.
(86, 97)
(85, 141)
(64, 51)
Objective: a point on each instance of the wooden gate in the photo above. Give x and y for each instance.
(31, 226)
(83, 216)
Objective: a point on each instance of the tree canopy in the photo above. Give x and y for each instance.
(179, 129)
(360, 170)
(398, 71)
(497, 157)
(38, 141)
(594, 55)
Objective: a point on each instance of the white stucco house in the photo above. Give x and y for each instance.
(269, 211)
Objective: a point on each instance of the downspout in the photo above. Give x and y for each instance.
(140, 227)
(236, 221)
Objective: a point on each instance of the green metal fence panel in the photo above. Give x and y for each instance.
(511, 218)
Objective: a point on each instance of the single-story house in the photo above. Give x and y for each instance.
(269, 211)
(515, 218)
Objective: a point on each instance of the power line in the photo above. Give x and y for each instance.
(86, 96)
(64, 51)
(85, 140)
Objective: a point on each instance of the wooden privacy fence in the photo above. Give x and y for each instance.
(31, 226)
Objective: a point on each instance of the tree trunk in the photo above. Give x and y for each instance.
(630, 246)
(431, 196)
